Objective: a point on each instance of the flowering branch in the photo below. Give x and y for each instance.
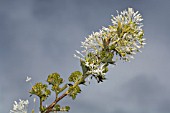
(118, 41)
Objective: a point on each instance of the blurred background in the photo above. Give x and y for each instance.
(39, 37)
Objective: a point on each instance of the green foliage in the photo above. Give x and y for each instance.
(54, 79)
(75, 76)
(91, 57)
(67, 108)
(73, 91)
(62, 109)
(84, 68)
(40, 90)
(107, 57)
(57, 107)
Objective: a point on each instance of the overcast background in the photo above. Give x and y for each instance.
(39, 37)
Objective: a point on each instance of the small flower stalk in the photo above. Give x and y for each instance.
(121, 40)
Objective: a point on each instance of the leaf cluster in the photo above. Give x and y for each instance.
(57, 107)
(41, 90)
(75, 77)
(55, 80)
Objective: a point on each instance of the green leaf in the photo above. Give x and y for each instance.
(84, 68)
(73, 91)
(107, 57)
(67, 108)
(75, 76)
(57, 107)
(105, 69)
(54, 78)
(56, 88)
(40, 90)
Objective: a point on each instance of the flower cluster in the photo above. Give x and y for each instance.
(128, 33)
(20, 107)
(95, 69)
(122, 39)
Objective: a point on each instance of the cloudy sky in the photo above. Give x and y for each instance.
(39, 37)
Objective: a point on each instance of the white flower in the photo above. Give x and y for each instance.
(80, 58)
(127, 16)
(20, 107)
(28, 79)
(99, 70)
(124, 38)
(94, 42)
(95, 69)
(129, 28)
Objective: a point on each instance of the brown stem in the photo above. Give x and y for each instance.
(50, 107)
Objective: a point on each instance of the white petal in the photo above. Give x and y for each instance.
(28, 79)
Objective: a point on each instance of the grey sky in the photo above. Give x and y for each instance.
(38, 37)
